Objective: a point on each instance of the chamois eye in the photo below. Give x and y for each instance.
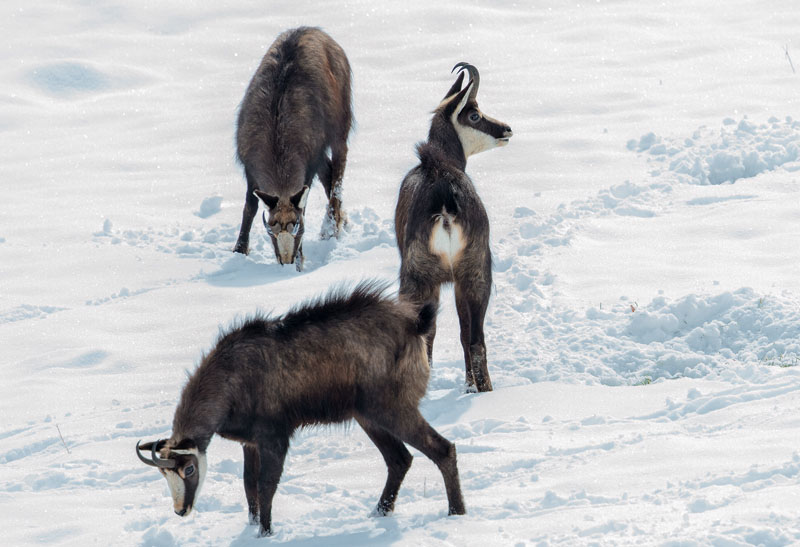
(188, 471)
(290, 227)
(274, 228)
(474, 116)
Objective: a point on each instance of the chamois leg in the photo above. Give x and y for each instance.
(336, 215)
(413, 289)
(325, 174)
(272, 452)
(398, 461)
(471, 303)
(412, 428)
(251, 471)
(250, 210)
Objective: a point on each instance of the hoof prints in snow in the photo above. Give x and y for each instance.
(366, 231)
(27, 311)
(716, 156)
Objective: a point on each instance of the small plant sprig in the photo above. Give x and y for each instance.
(783, 360)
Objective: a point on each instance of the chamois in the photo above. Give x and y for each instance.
(360, 355)
(297, 105)
(441, 225)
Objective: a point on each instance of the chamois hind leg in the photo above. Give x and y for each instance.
(249, 211)
(252, 464)
(413, 289)
(398, 461)
(272, 451)
(336, 214)
(410, 427)
(472, 300)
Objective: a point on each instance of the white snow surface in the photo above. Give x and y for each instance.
(644, 328)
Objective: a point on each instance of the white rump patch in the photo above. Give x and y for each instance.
(447, 239)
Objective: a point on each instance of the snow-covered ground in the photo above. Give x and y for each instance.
(644, 331)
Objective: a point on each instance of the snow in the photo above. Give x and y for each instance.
(644, 329)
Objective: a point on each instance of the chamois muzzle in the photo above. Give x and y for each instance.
(155, 461)
(286, 240)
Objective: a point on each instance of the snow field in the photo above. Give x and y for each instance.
(643, 330)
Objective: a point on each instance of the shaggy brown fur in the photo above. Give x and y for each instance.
(297, 105)
(354, 355)
(438, 198)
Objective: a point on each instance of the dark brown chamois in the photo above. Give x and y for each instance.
(441, 225)
(297, 105)
(360, 355)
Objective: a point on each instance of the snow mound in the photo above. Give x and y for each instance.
(727, 336)
(716, 156)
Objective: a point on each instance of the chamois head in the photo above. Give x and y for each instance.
(476, 131)
(182, 464)
(285, 224)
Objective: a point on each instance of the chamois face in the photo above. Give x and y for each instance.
(184, 467)
(476, 131)
(285, 223)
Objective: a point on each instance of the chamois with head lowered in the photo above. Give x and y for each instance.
(441, 225)
(297, 106)
(356, 355)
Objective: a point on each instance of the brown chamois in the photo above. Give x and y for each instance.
(356, 355)
(297, 105)
(441, 225)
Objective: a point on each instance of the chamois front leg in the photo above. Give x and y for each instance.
(249, 211)
(252, 464)
(272, 455)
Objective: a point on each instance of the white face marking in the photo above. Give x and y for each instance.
(447, 244)
(286, 247)
(202, 466)
(472, 140)
(176, 488)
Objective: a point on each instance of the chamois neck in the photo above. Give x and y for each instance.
(202, 409)
(443, 135)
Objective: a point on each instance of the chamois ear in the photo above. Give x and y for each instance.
(269, 201)
(456, 86)
(457, 103)
(300, 198)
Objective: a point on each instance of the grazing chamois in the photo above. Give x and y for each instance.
(297, 105)
(360, 355)
(441, 225)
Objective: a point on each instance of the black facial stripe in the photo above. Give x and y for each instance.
(494, 129)
(190, 484)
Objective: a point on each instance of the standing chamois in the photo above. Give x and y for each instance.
(360, 355)
(297, 105)
(441, 225)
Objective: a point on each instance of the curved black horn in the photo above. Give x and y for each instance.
(473, 74)
(158, 462)
(138, 453)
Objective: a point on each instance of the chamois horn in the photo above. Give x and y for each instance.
(155, 461)
(473, 74)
